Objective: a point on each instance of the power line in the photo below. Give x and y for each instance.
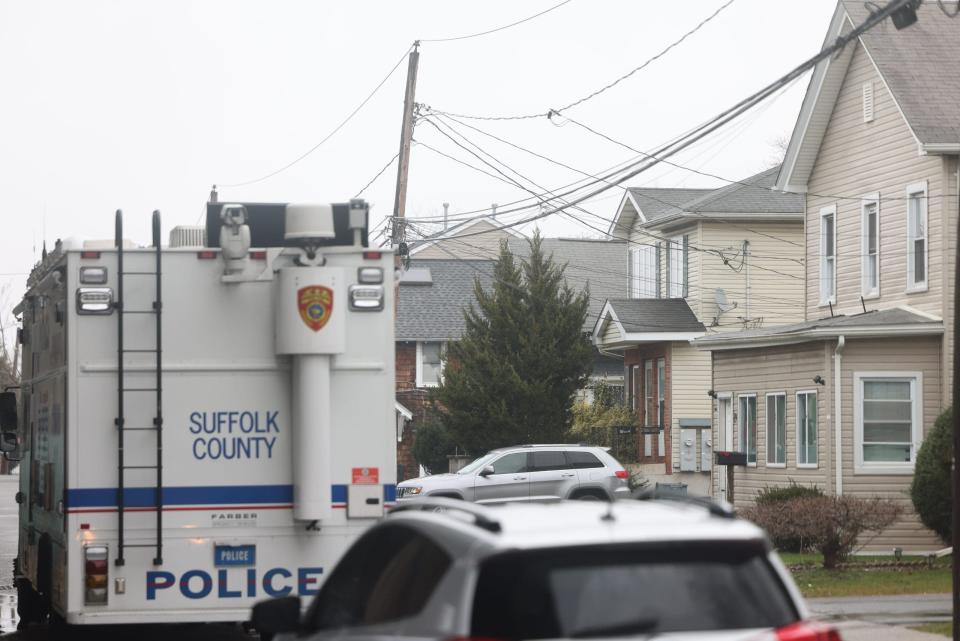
(646, 63)
(333, 132)
(592, 176)
(379, 173)
(720, 254)
(495, 30)
(737, 109)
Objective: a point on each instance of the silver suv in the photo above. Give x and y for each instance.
(527, 473)
(444, 569)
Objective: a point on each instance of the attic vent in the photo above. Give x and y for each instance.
(868, 102)
(188, 236)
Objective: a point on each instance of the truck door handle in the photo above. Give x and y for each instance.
(566, 476)
(519, 478)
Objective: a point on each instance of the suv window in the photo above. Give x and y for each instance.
(629, 590)
(546, 461)
(388, 574)
(511, 463)
(583, 460)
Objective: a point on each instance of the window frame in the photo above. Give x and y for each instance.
(914, 287)
(830, 211)
(676, 259)
(643, 263)
(865, 202)
(916, 432)
(419, 365)
(797, 395)
(766, 417)
(742, 440)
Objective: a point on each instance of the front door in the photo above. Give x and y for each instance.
(510, 480)
(724, 435)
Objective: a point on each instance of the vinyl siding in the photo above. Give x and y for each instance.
(611, 334)
(858, 158)
(689, 385)
(482, 241)
(788, 369)
(774, 272)
(913, 354)
(642, 237)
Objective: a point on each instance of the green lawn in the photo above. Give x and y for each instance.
(945, 628)
(814, 581)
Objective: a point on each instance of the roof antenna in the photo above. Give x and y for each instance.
(213, 194)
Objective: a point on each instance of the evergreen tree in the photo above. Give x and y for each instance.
(512, 376)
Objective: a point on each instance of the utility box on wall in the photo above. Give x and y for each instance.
(691, 431)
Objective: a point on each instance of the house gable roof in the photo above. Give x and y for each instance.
(753, 195)
(640, 320)
(473, 226)
(911, 63)
(434, 311)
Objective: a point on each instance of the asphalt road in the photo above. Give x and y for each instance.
(905, 609)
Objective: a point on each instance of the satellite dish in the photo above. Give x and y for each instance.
(722, 303)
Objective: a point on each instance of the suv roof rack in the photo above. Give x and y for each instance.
(508, 447)
(481, 516)
(722, 510)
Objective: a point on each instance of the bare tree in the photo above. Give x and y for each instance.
(9, 348)
(778, 149)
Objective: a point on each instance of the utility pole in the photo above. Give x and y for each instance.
(403, 165)
(956, 431)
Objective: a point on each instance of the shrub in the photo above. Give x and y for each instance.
(794, 490)
(769, 497)
(832, 525)
(931, 487)
(431, 445)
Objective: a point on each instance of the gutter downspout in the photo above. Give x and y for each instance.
(837, 408)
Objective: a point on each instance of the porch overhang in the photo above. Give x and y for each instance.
(645, 321)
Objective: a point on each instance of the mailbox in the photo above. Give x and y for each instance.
(731, 458)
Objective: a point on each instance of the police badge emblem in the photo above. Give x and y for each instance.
(315, 303)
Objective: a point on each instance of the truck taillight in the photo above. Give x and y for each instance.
(96, 573)
(807, 631)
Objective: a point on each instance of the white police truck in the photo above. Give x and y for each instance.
(204, 424)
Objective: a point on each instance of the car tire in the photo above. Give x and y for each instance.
(589, 495)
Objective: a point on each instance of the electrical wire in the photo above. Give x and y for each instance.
(379, 173)
(609, 86)
(507, 26)
(332, 132)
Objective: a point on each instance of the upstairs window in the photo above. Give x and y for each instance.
(870, 246)
(677, 267)
(643, 272)
(917, 237)
(429, 364)
(828, 255)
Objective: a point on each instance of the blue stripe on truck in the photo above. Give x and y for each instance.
(201, 495)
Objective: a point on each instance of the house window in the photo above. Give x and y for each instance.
(806, 429)
(887, 421)
(776, 430)
(429, 363)
(661, 404)
(917, 237)
(677, 267)
(643, 270)
(748, 427)
(634, 387)
(828, 255)
(870, 246)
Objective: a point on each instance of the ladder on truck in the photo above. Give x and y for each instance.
(123, 389)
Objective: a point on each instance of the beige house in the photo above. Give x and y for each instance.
(843, 399)
(476, 238)
(702, 262)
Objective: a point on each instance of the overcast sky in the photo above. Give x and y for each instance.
(145, 105)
